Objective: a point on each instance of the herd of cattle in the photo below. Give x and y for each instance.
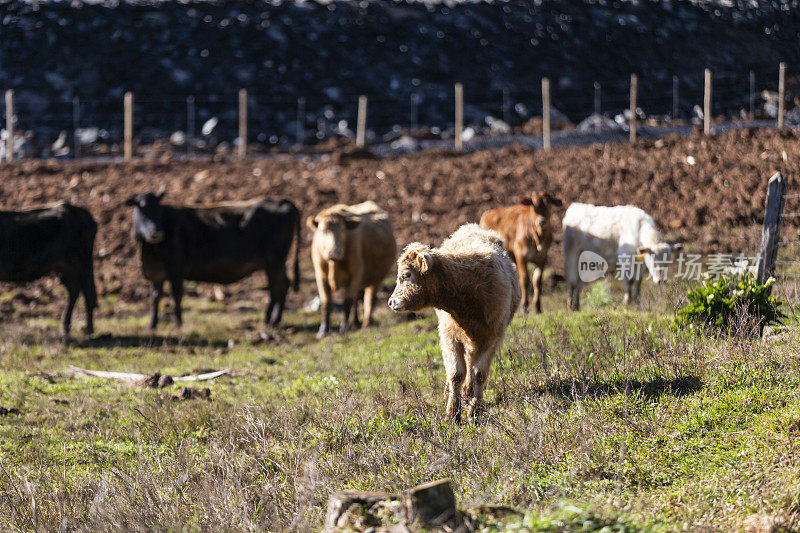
(475, 280)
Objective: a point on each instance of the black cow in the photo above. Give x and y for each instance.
(56, 239)
(220, 243)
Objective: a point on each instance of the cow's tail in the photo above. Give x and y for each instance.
(297, 229)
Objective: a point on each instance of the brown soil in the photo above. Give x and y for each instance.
(713, 205)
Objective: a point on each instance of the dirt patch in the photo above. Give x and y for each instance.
(706, 192)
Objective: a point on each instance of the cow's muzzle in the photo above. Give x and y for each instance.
(156, 237)
(336, 255)
(395, 304)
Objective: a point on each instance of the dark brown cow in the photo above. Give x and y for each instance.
(220, 243)
(527, 235)
(55, 239)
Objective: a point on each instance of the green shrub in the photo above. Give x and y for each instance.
(729, 301)
(598, 295)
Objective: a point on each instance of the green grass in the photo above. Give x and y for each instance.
(600, 419)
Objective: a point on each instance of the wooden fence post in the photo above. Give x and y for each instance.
(190, 118)
(242, 150)
(676, 97)
(128, 127)
(707, 103)
(772, 227)
(300, 133)
(361, 122)
(781, 93)
(546, 113)
(76, 123)
(10, 124)
(459, 144)
(634, 90)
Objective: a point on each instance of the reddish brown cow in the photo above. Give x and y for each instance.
(527, 235)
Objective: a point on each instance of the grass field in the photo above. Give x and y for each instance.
(603, 418)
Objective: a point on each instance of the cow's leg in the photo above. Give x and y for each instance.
(351, 298)
(348, 305)
(325, 304)
(524, 279)
(89, 299)
(369, 300)
(574, 295)
(573, 280)
(537, 289)
(156, 291)
(278, 289)
(456, 371)
(176, 285)
(636, 286)
(478, 363)
(73, 291)
(628, 284)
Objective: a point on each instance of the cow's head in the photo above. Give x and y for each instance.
(147, 215)
(657, 259)
(330, 233)
(541, 205)
(416, 286)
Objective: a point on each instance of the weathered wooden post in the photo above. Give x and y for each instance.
(190, 125)
(546, 113)
(414, 113)
(781, 93)
(361, 122)
(128, 127)
(459, 144)
(707, 103)
(76, 123)
(300, 133)
(675, 97)
(242, 151)
(597, 98)
(772, 227)
(10, 124)
(634, 89)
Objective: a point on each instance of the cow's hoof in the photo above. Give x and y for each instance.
(322, 332)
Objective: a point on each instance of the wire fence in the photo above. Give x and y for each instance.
(208, 121)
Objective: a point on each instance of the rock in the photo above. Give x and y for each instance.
(596, 122)
(209, 125)
(157, 381)
(431, 506)
(348, 508)
(190, 393)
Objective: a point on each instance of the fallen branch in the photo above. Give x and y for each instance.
(130, 377)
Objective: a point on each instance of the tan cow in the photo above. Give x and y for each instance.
(471, 283)
(527, 235)
(353, 249)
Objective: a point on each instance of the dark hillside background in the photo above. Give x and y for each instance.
(329, 53)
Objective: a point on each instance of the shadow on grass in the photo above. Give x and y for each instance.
(108, 340)
(570, 389)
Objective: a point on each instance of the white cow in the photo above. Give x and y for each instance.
(622, 236)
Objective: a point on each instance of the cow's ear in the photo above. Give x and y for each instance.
(552, 200)
(312, 223)
(424, 261)
(131, 201)
(526, 201)
(352, 222)
(643, 251)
